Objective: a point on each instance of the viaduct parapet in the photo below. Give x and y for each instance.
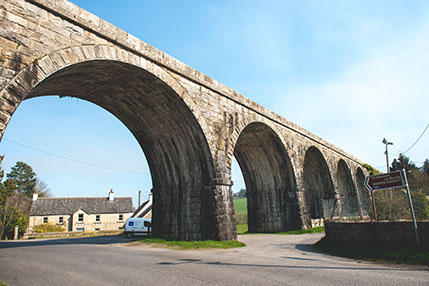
(188, 125)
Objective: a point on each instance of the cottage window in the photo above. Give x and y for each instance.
(80, 229)
(97, 218)
(60, 219)
(45, 219)
(80, 218)
(121, 217)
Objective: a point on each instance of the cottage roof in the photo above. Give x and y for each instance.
(138, 213)
(56, 206)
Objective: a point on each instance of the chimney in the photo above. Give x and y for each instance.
(35, 196)
(111, 195)
(150, 199)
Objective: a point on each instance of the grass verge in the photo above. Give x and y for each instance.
(376, 253)
(242, 229)
(194, 244)
(304, 231)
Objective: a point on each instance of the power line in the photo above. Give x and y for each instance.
(74, 160)
(417, 140)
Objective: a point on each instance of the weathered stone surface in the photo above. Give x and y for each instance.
(189, 125)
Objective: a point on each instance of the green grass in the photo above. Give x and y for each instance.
(194, 244)
(242, 228)
(2, 283)
(240, 206)
(301, 231)
(376, 253)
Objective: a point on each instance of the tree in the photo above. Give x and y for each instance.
(418, 181)
(391, 205)
(425, 167)
(403, 162)
(15, 197)
(23, 178)
(420, 205)
(42, 188)
(372, 171)
(14, 206)
(6, 190)
(241, 193)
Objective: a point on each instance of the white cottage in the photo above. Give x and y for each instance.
(81, 214)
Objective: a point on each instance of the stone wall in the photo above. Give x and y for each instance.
(31, 235)
(377, 233)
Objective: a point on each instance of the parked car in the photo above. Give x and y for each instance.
(138, 226)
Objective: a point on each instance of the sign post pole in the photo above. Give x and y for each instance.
(404, 174)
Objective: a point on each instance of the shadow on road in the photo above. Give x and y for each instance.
(101, 240)
(306, 248)
(199, 261)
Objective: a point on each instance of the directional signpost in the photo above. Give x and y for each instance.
(385, 181)
(389, 181)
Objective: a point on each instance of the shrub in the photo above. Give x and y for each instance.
(392, 205)
(420, 205)
(241, 218)
(371, 170)
(47, 227)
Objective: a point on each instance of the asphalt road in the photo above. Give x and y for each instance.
(267, 260)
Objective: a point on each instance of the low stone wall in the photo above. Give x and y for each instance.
(377, 233)
(71, 234)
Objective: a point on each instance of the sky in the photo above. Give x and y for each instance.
(351, 72)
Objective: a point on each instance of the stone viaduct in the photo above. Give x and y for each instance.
(188, 125)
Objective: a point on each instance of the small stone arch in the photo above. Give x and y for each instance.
(364, 194)
(268, 174)
(318, 185)
(346, 189)
(241, 125)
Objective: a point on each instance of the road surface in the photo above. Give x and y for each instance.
(267, 260)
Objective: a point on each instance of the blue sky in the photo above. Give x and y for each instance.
(351, 72)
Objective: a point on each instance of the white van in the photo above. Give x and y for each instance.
(138, 226)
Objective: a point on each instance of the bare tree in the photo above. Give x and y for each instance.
(42, 188)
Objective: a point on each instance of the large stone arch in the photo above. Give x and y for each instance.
(269, 176)
(21, 85)
(318, 185)
(364, 195)
(347, 191)
(159, 113)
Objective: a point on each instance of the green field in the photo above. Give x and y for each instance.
(240, 206)
(242, 228)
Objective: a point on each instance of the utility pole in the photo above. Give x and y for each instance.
(140, 194)
(385, 142)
